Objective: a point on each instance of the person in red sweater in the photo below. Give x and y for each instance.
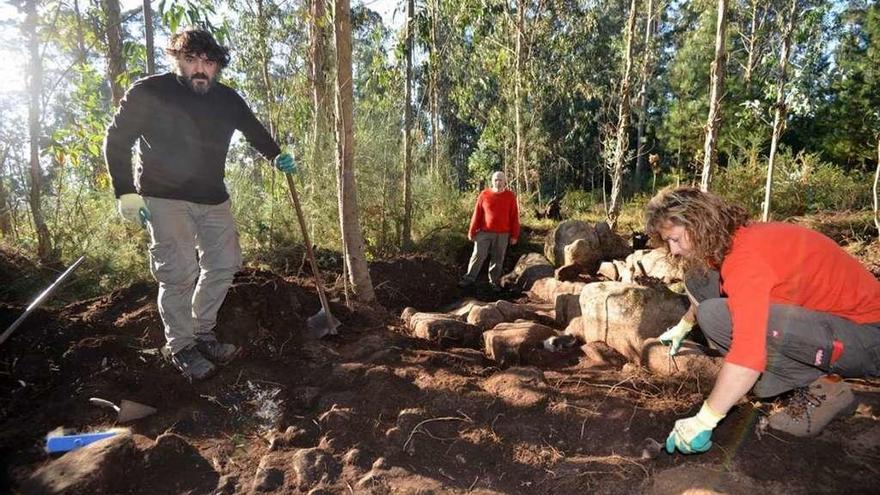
(787, 307)
(494, 224)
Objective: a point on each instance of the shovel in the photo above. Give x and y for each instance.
(127, 410)
(321, 323)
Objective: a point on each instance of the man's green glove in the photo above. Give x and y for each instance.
(674, 335)
(694, 435)
(284, 162)
(133, 209)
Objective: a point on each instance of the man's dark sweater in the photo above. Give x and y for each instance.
(183, 138)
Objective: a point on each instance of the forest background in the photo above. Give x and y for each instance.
(597, 102)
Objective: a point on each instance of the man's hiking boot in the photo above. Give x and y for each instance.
(191, 363)
(465, 283)
(217, 351)
(811, 408)
(495, 287)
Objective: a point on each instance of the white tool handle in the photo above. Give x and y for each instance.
(103, 403)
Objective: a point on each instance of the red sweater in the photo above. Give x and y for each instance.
(778, 263)
(496, 212)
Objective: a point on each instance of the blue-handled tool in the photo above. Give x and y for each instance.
(66, 443)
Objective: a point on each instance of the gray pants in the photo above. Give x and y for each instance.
(486, 244)
(800, 342)
(194, 255)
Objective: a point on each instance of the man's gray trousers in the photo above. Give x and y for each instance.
(490, 244)
(194, 255)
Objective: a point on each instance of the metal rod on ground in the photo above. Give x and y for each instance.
(323, 322)
(40, 298)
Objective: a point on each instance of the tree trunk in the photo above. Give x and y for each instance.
(148, 37)
(115, 61)
(876, 189)
(623, 110)
(352, 236)
(35, 91)
(643, 95)
(435, 91)
(779, 113)
(406, 241)
(717, 71)
(82, 55)
(752, 43)
(519, 165)
(321, 125)
(5, 216)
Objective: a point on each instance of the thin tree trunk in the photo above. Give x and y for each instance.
(321, 125)
(435, 91)
(877, 192)
(713, 124)
(519, 160)
(351, 234)
(5, 217)
(148, 37)
(80, 37)
(35, 91)
(115, 61)
(779, 113)
(752, 44)
(643, 94)
(406, 241)
(623, 120)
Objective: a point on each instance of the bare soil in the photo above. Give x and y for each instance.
(392, 413)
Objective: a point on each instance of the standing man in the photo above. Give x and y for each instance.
(495, 222)
(790, 310)
(182, 123)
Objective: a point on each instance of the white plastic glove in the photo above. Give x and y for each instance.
(133, 209)
(674, 335)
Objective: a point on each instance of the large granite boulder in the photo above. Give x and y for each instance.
(625, 315)
(529, 268)
(587, 253)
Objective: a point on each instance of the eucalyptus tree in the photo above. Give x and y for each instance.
(406, 237)
(645, 75)
(623, 121)
(352, 236)
(717, 72)
(113, 39)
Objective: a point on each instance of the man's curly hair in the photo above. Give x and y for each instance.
(193, 41)
(709, 221)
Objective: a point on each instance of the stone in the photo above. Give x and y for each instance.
(506, 343)
(227, 485)
(611, 245)
(485, 317)
(518, 387)
(566, 233)
(691, 360)
(512, 311)
(269, 476)
(569, 273)
(624, 272)
(444, 329)
(654, 263)
(529, 268)
(601, 355)
(625, 315)
(547, 289)
(582, 253)
(96, 468)
(568, 307)
(608, 269)
(313, 466)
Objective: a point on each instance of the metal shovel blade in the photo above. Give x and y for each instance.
(322, 323)
(127, 410)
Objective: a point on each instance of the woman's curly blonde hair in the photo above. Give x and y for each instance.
(709, 221)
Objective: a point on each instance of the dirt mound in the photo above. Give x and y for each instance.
(416, 281)
(373, 410)
(20, 278)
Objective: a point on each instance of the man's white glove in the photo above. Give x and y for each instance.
(674, 335)
(133, 209)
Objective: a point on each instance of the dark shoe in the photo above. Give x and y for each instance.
(217, 351)
(496, 287)
(811, 408)
(192, 364)
(465, 283)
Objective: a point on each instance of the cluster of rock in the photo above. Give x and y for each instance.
(604, 293)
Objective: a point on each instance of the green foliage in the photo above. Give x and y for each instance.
(803, 183)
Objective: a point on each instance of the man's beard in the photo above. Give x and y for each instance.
(204, 85)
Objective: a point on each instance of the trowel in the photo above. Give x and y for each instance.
(127, 410)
